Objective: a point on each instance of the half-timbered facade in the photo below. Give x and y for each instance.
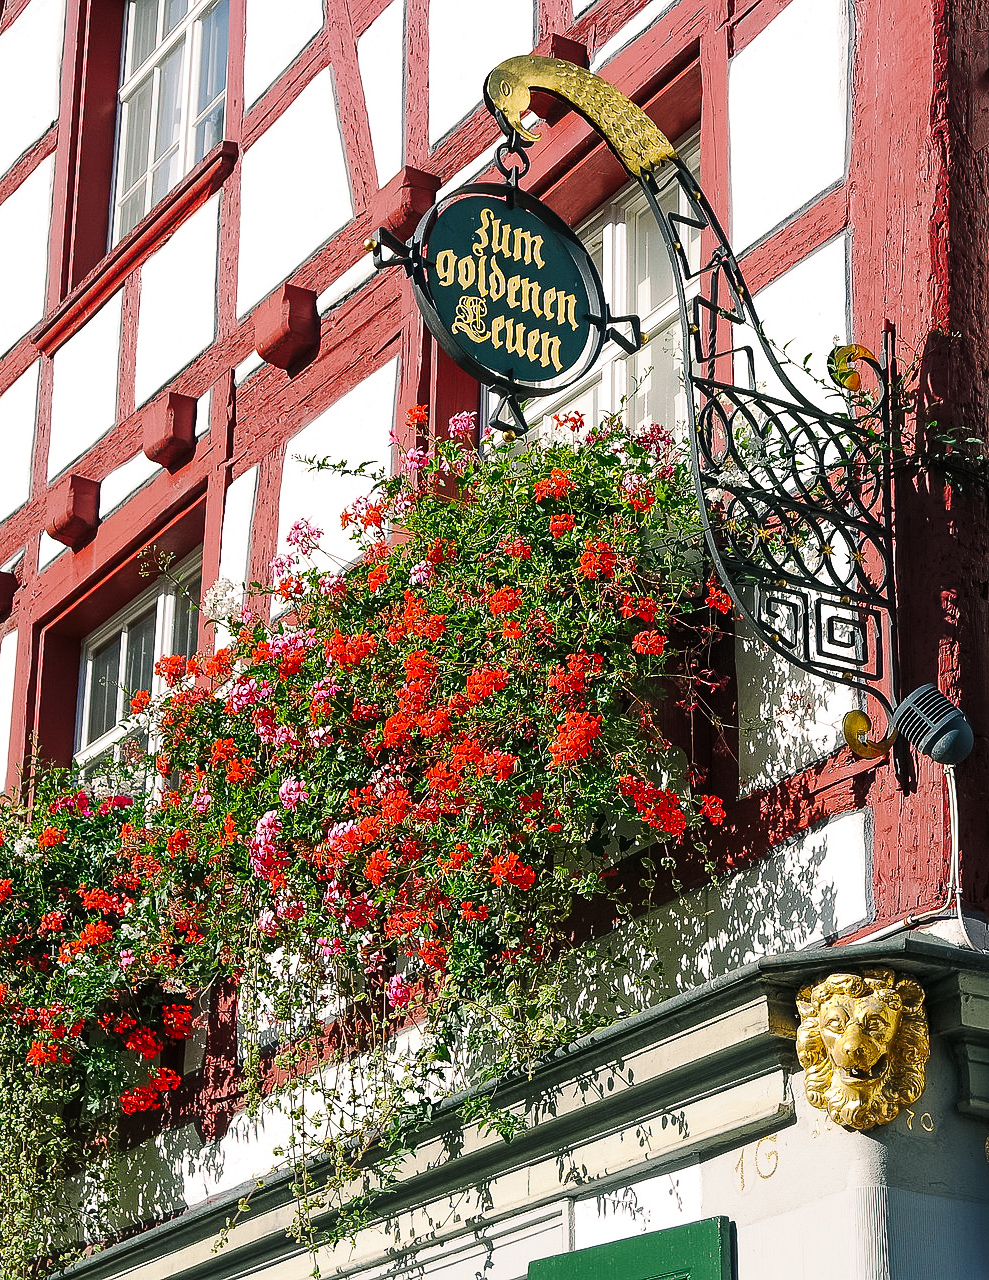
(188, 310)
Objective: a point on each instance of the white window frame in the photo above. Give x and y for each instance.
(618, 380)
(187, 31)
(164, 597)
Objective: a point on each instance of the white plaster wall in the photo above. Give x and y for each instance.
(84, 387)
(295, 191)
(807, 889)
(876, 1232)
(787, 718)
(25, 219)
(238, 518)
(470, 170)
(492, 1250)
(124, 480)
(654, 1204)
(805, 312)
(177, 318)
(356, 428)
(18, 409)
(904, 1201)
(346, 283)
(8, 663)
(381, 57)
(203, 409)
(625, 34)
(30, 75)
(787, 116)
(465, 42)
(48, 550)
(275, 33)
(807, 1199)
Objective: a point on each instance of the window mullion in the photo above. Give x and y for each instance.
(616, 261)
(149, 155)
(164, 622)
(189, 79)
(121, 670)
(84, 699)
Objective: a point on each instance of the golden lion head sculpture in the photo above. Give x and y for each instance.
(863, 1042)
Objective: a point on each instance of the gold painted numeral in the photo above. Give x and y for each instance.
(765, 1160)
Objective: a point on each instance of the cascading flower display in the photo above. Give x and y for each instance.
(408, 781)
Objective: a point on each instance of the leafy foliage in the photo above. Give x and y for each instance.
(390, 807)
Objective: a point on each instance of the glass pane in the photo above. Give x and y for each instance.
(690, 237)
(104, 682)
(175, 11)
(169, 119)
(135, 132)
(143, 22)
(186, 631)
(132, 753)
(657, 393)
(165, 176)
(141, 655)
(132, 210)
(209, 131)
(99, 768)
(213, 56)
(652, 282)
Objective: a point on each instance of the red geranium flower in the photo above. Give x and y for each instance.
(713, 809)
(510, 869)
(505, 600)
(649, 642)
(716, 598)
(559, 525)
(558, 485)
(574, 737)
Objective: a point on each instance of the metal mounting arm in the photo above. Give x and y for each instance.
(795, 499)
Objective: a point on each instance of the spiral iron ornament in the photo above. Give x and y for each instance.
(795, 499)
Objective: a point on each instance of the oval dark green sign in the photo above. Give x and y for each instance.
(508, 290)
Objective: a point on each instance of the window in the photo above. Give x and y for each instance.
(628, 250)
(172, 99)
(119, 659)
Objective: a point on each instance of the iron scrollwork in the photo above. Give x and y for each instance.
(795, 499)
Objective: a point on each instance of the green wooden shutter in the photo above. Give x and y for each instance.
(697, 1251)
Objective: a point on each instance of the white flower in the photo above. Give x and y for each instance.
(222, 600)
(26, 847)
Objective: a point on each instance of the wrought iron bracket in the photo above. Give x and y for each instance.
(796, 499)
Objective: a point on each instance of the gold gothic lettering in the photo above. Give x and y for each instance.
(483, 276)
(536, 345)
(511, 242)
(469, 319)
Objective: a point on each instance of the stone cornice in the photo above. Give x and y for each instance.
(701, 1072)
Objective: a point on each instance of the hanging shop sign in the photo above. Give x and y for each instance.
(507, 290)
